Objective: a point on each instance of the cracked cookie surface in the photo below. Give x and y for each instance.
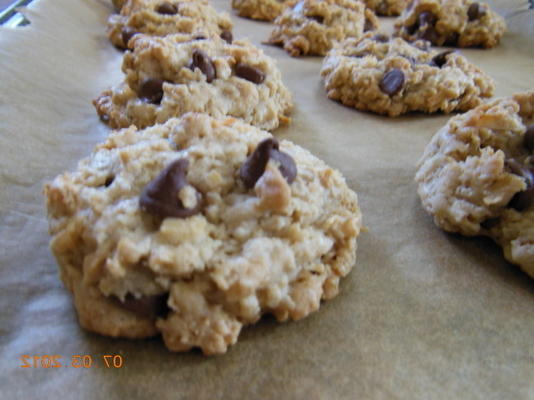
(310, 27)
(263, 10)
(476, 176)
(393, 77)
(456, 23)
(161, 18)
(167, 77)
(197, 227)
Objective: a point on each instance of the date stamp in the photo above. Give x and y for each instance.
(75, 361)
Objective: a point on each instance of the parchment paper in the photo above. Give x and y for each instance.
(423, 315)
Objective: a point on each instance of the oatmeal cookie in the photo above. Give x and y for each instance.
(457, 23)
(161, 18)
(387, 7)
(197, 227)
(263, 10)
(476, 176)
(167, 77)
(310, 27)
(394, 77)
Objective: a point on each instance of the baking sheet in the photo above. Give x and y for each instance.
(423, 315)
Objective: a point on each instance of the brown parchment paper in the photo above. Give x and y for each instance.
(423, 315)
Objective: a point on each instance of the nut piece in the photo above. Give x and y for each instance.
(272, 189)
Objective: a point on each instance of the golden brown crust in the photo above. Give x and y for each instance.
(353, 72)
(466, 183)
(452, 25)
(311, 27)
(265, 104)
(277, 248)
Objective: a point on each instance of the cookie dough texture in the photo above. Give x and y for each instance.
(354, 71)
(467, 180)
(311, 27)
(195, 17)
(263, 10)
(276, 248)
(457, 23)
(386, 7)
(185, 89)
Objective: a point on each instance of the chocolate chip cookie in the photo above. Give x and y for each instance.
(263, 10)
(393, 77)
(476, 176)
(387, 7)
(199, 226)
(456, 23)
(167, 77)
(160, 18)
(310, 27)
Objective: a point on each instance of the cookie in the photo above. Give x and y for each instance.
(386, 7)
(310, 27)
(161, 18)
(393, 77)
(197, 227)
(457, 23)
(263, 10)
(167, 77)
(476, 176)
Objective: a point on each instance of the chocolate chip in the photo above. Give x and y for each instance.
(202, 61)
(361, 55)
(427, 18)
(227, 36)
(167, 8)
(287, 166)
(452, 39)
(475, 11)
(151, 90)
(127, 33)
(146, 306)
(381, 38)
(160, 196)
(412, 29)
(392, 82)
(249, 73)
(430, 34)
(200, 37)
(254, 166)
(528, 140)
(368, 26)
(317, 18)
(109, 181)
(439, 60)
(524, 199)
(489, 223)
